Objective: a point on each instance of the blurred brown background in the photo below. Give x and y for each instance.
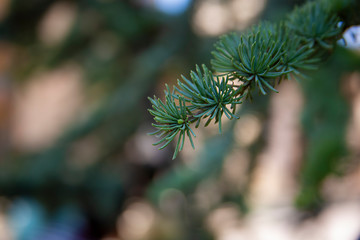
(75, 160)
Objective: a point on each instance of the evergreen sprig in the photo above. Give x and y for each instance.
(315, 24)
(296, 56)
(209, 96)
(172, 119)
(257, 59)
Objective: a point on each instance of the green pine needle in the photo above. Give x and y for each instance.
(259, 59)
(209, 96)
(172, 120)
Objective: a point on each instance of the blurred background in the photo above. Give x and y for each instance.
(76, 162)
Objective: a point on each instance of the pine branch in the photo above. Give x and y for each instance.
(258, 59)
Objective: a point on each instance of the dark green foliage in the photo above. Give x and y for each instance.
(172, 120)
(226, 53)
(253, 57)
(209, 96)
(296, 57)
(315, 24)
(259, 59)
(264, 53)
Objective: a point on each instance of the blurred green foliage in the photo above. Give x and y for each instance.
(325, 118)
(145, 48)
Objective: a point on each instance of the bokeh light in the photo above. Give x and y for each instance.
(76, 162)
(172, 7)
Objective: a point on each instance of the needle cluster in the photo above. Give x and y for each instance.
(257, 59)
